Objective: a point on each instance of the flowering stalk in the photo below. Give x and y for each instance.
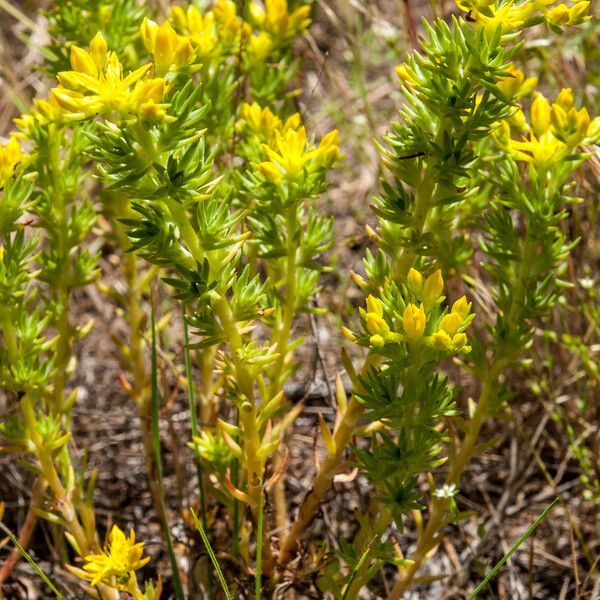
(523, 286)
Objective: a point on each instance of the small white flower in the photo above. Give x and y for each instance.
(446, 491)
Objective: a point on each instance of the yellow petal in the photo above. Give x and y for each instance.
(414, 281)
(433, 288)
(414, 321)
(540, 115)
(99, 51)
(82, 62)
(148, 31)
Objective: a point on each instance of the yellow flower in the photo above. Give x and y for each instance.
(168, 49)
(516, 85)
(377, 326)
(414, 281)
(201, 29)
(459, 341)
(97, 84)
(10, 157)
(461, 307)
(260, 46)
(578, 13)
(213, 34)
(328, 151)
(229, 25)
(119, 558)
(404, 75)
(540, 115)
(554, 131)
(277, 21)
(290, 157)
(433, 288)
(450, 323)
(508, 15)
(559, 15)
(259, 123)
(565, 98)
(441, 340)
(511, 15)
(448, 337)
(414, 321)
(570, 125)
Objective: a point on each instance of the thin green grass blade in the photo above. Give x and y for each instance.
(259, 548)
(212, 556)
(30, 560)
(156, 448)
(358, 567)
(194, 424)
(514, 548)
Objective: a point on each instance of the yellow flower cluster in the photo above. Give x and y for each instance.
(218, 32)
(275, 20)
(119, 559)
(554, 131)
(214, 33)
(10, 157)
(448, 330)
(290, 156)
(97, 85)
(450, 334)
(169, 50)
(377, 326)
(43, 111)
(511, 15)
(258, 125)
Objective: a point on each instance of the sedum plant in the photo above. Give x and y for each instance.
(183, 134)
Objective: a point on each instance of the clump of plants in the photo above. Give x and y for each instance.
(183, 133)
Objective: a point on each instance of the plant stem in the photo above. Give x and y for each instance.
(322, 482)
(259, 549)
(252, 463)
(289, 306)
(60, 224)
(140, 391)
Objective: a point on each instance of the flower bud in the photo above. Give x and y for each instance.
(441, 340)
(414, 321)
(376, 325)
(403, 74)
(99, 50)
(459, 341)
(559, 15)
(577, 12)
(593, 131)
(347, 333)
(374, 305)
(433, 288)
(415, 282)
(565, 98)
(461, 307)
(450, 323)
(540, 115)
(148, 31)
(377, 341)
